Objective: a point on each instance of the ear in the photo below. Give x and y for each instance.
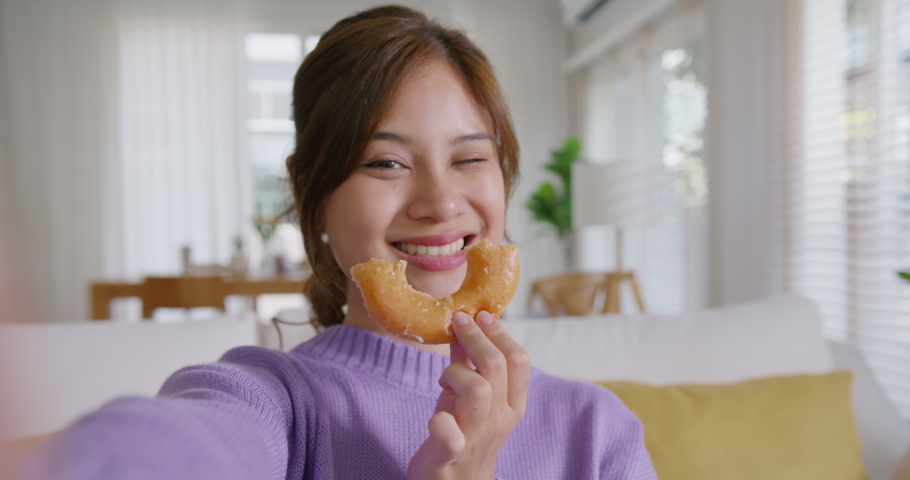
(289, 165)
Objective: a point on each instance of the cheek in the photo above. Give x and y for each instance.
(356, 218)
(355, 207)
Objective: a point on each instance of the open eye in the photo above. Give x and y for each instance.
(389, 164)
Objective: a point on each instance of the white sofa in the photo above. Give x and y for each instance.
(777, 336)
(59, 371)
(65, 370)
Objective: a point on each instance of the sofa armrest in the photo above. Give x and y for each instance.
(75, 367)
(885, 435)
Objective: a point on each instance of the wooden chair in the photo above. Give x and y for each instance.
(182, 292)
(613, 285)
(573, 293)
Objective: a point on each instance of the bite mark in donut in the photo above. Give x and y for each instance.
(490, 284)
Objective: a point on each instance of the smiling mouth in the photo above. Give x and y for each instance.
(432, 250)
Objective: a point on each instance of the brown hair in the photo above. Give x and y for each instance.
(341, 93)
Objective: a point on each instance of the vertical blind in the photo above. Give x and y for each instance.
(846, 176)
(645, 101)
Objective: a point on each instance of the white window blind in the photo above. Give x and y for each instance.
(846, 176)
(645, 101)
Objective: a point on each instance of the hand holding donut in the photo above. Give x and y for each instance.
(485, 388)
(483, 399)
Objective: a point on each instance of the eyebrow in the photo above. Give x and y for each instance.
(391, 136)
(472, 137)
(406, 140)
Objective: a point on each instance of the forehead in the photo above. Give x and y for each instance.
(436, 98)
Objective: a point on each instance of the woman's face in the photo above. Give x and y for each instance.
(428, 184)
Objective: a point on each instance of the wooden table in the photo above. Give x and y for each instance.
(103, 292)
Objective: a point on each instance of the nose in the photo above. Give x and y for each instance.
(435, 197)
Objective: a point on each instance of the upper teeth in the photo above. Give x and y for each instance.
(431, 250)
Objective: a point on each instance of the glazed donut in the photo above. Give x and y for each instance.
(489, 284)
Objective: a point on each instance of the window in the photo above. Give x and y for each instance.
(272, 61)
(846, 177)
(646, 101)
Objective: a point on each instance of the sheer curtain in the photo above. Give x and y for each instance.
(181, 134)
(122, 139)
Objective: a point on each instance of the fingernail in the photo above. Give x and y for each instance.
(461, 319)
(485, 318)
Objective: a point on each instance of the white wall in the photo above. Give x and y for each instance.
(56, 144)
(745, 55)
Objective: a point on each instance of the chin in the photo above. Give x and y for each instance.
(438, 288)
(438, 291)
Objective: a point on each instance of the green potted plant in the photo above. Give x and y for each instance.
(552, 205)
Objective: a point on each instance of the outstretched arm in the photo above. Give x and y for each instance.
(220, 421)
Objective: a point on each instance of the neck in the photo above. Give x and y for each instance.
(357, 317)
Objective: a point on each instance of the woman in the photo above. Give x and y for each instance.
(404, 150)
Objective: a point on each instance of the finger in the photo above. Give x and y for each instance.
(489, 361)
(442, 447)
(446, 401)
(518, 362)
(457, 353)
(474, 395)
(448, 439)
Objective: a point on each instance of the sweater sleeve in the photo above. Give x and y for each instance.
(220, 421)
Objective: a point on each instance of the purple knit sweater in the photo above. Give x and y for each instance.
(348, 404)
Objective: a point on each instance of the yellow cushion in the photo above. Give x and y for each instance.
(798, 427)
